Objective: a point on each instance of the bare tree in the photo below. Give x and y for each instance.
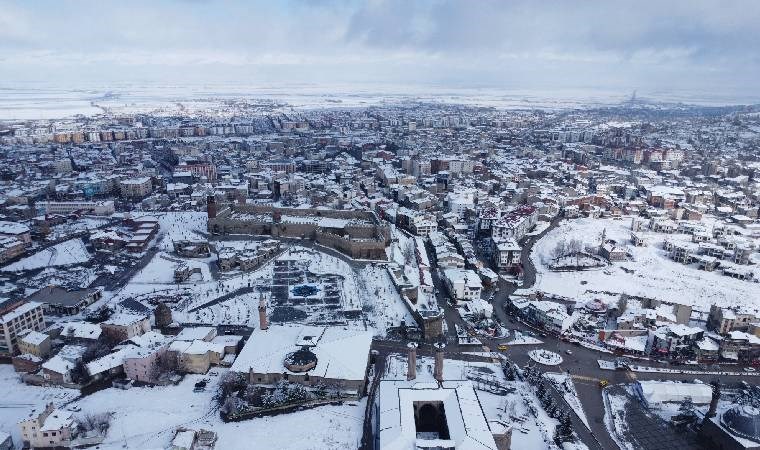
(408, 252)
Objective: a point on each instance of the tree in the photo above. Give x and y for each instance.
(79, 373)
(408, 253)
(564, 429)
(687, 406)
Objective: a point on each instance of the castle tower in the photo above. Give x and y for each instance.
(163, 315)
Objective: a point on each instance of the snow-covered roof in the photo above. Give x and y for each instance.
(124, 319)
(341, 354)
(194, 333)
(81, 330)
(34, 337)
(671, 391)
(466, 423)
(58, 419)
(12, 228)
(184, 439)
(19, 311)
(65, 360)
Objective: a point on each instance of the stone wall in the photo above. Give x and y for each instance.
(359, 241)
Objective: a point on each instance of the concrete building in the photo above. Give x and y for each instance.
(463, 284)
(102, 208)
(34, 343)
(136, 188)
(62, 302)
(124, 326)
(48, 428)
(15, 319)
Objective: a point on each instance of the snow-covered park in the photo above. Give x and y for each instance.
(649, 273)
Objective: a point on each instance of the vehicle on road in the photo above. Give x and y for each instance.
(502, 347)
(750, 369)
(603, 383)
(569, 352)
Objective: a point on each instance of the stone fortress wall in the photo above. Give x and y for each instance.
(357, 234)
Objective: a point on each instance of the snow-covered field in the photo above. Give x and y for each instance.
(63, 254)
(146, 418)
(650, 274)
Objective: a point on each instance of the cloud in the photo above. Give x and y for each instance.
(697, 44)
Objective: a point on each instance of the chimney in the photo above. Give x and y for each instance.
(211, 206)
(438, 370)
(411, 372)
(263, 322)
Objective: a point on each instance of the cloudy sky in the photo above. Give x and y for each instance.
(696, 45)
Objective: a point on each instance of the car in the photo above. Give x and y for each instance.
(750, 369)
(569, 352)
(603, 383)
(502, 347)
(543, 335)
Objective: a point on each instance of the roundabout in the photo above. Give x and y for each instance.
(545, 357)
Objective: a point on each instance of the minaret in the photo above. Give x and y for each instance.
(712, 411)
(438, 369)
(411, 370)
(211, 206)
(263, 322)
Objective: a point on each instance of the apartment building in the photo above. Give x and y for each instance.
(15, 319)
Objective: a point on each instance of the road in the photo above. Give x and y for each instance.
(581, 364)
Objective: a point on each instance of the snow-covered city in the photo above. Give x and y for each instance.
(379, 225)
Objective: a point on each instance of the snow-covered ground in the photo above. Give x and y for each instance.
(382, 303)
(147, 417)
(615, 418)
(524, 339)
(650, 274)
(68, 252)
(363, 287)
